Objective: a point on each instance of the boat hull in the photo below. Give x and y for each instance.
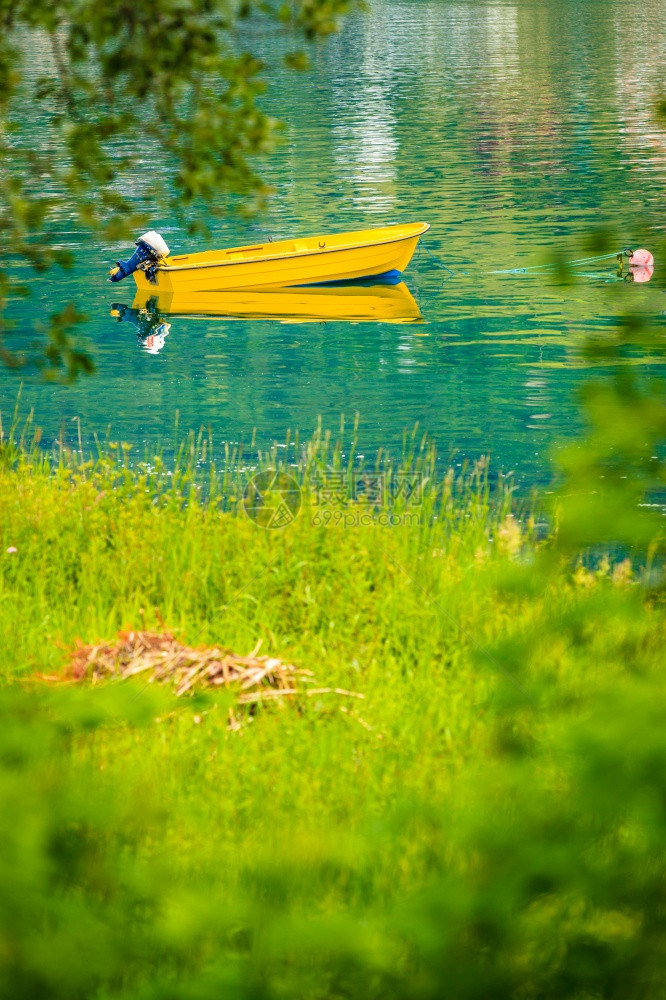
(289, 263)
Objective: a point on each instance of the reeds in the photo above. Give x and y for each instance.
(195, 469)
(103, 539)
(311, 851)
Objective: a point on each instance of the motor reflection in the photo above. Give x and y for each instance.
(151, 329)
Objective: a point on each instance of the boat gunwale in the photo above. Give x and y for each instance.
(168, 268)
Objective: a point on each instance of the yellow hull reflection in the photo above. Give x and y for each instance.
(352, 303)
(303, 261)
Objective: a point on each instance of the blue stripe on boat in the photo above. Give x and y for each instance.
(387, 278)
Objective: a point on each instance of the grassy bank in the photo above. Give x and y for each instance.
(486, 820)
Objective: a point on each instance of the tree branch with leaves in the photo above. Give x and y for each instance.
(121, 81)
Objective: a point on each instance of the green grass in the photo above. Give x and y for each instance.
(487, 821)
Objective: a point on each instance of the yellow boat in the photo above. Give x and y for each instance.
(350, 303)
(313, 260)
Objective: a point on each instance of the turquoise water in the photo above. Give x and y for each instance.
(516, 130)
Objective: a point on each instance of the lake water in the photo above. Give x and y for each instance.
(515, 129)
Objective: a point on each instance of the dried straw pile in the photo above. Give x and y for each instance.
(160, 657)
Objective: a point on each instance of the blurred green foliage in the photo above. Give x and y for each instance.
(542, 877)
(452, 834)
(613, 478)
(121, 81)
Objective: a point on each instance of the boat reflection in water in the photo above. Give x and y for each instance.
(151, 328)
(353, 303)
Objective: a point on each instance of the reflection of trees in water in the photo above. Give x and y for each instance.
(365, 148)
(639, 81)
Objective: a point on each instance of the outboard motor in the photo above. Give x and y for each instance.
(150, 248)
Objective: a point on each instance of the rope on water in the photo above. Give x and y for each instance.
(579, 262)
(568, 263)
(437, 261)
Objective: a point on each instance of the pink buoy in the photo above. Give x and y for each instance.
(641, 258)
(640, 274)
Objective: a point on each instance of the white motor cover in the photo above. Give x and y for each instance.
(155, 242)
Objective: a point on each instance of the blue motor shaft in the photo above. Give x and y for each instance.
(142, 253)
